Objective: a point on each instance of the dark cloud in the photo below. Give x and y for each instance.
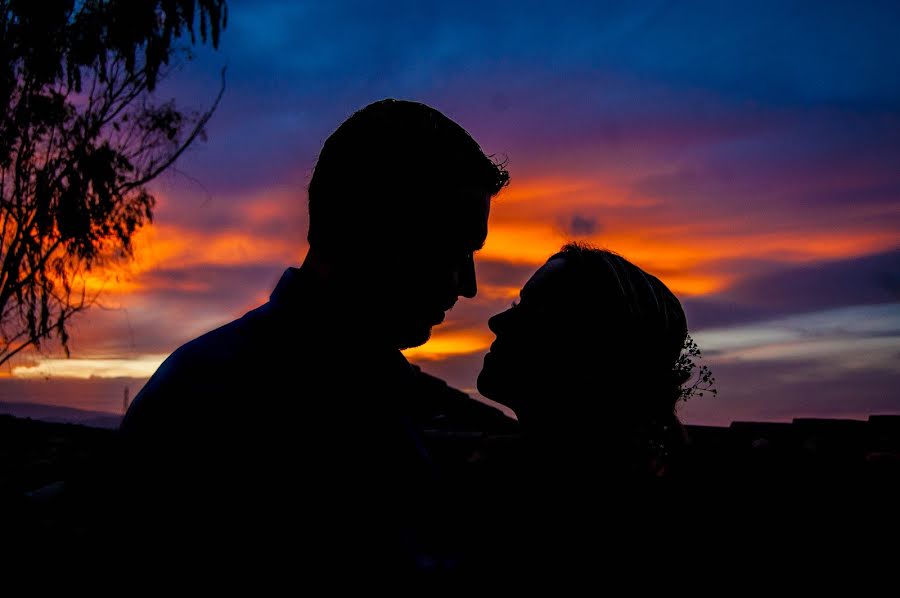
(864, 280)
(772, 391)
(824, 171)
(886, 194)
(581, 226)
(279, 211)
(216, 287)
(798, 289)
(711, 313)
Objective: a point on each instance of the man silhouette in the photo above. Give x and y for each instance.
(303, 414)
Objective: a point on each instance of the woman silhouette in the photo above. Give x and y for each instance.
(590, 359)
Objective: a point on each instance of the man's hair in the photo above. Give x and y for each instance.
(390, 173)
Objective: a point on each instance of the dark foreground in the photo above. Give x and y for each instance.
(827, 488)
(34, 454)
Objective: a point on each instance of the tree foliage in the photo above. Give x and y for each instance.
(81, 136)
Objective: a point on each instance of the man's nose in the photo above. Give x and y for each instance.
(466, 285)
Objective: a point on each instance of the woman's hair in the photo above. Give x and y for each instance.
(640, 329)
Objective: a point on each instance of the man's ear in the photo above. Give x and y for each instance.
(319, 265)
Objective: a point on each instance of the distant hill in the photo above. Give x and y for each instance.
(35, 453)
(61, 415)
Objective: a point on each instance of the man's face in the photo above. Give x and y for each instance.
(419, 284)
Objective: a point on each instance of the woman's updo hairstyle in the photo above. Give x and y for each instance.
(639, 326)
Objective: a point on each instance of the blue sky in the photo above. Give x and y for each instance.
(746, 153)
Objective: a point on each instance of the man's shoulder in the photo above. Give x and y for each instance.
(443, 409)
(209, 366)
(227, 341)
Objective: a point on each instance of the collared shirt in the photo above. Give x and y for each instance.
(276, 400)
(282, 422)
(287, 354)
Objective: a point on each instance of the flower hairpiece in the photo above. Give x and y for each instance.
(696, 380)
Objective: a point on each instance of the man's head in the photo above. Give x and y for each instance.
(398, 203)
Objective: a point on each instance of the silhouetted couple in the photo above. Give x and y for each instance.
(300, 431)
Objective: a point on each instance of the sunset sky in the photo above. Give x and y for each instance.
(748, 154)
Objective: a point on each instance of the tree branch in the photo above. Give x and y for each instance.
(155, 172)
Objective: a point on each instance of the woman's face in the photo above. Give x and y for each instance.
(536, 340)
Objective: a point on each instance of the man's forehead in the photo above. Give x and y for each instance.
(471, 216)
(458, 222)
(470, 238)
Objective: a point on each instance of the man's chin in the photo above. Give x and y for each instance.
(413, 337)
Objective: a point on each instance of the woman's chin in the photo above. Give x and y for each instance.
(491, 386)
(483, 384)
(488, 384)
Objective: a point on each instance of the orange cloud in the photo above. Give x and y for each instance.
(451, 343)
(492, 292)
(176, 247)
(521, 242)
(137, 367)
(535, 195)
(173, 247)
(682, 254)
(540, 189)
(527, 226)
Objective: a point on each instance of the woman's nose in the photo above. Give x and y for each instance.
(497, 323)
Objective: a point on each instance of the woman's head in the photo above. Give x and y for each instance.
(592, 333)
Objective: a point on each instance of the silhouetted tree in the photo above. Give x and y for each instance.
(81, 135)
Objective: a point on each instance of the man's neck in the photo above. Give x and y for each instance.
(331, 287)
(317, 270)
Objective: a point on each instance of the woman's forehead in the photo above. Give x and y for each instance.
(544, 277)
